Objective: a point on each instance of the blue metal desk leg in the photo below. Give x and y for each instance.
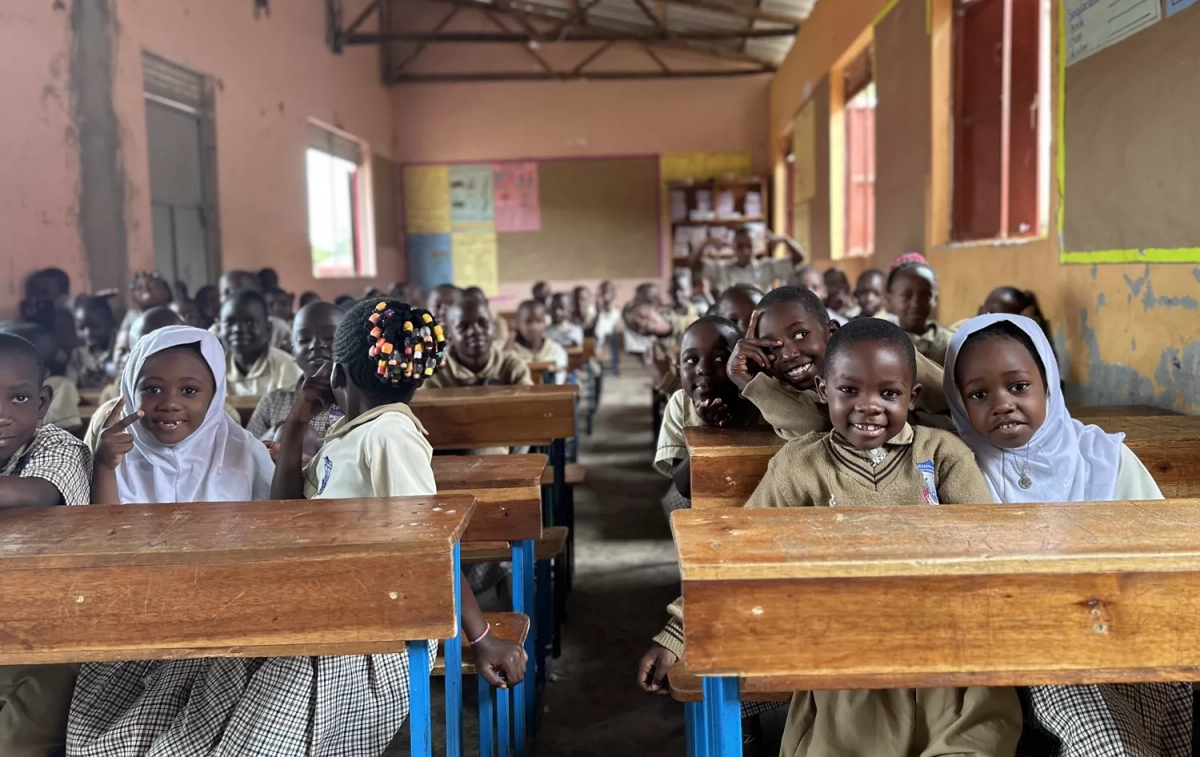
(419, 699)
(695, 725)
(724, 714)
(487, 710)
(545, 616)
(503, 734)
(524, 693)
(454, 707)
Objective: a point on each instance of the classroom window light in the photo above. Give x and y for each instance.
(340, 232)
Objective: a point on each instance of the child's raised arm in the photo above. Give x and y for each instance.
(312, 396)
(114, 443)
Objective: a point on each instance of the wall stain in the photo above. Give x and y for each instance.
(1196, 273)
(1142, 286)
(1101, 300)
(1176, 382)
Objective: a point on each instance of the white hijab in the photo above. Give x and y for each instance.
(1066, 460)
(219, 462)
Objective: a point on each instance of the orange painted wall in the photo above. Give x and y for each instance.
(1145, 348)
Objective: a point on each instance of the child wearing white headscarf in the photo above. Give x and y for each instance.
(1002, 383)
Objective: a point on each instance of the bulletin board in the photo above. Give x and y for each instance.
(599, 219)
(1128, 172)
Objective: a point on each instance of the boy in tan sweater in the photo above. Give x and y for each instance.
(777, 362)
(873, 457)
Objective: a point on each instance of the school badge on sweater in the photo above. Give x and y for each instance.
(929, 490)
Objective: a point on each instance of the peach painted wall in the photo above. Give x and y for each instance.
(480, 122)
(39, 152)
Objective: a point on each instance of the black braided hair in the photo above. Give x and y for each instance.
(389, 348)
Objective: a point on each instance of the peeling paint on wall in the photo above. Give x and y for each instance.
(1176, 381)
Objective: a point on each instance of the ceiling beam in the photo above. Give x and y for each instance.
(736, 9)
(565, 76)
(590, 34)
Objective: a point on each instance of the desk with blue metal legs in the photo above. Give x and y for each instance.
(826, 598)
(235, 579)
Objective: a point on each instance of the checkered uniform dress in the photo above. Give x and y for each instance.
(1109, 720)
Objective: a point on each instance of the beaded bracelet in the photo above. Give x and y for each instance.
(486, 631)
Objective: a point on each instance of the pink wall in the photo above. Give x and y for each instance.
(39, 157)
(467, 122)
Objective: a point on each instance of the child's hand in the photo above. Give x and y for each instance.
(313, 395)
(115, 441)
(750, 355)
(714, 412)
(652, 670)
(501, 663)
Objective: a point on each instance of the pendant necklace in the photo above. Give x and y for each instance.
(1025, 482)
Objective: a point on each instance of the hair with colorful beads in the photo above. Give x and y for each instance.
(389, 348)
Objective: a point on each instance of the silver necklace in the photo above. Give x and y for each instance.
(1023, 480)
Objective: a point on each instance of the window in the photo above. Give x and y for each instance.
(859, 122)
(340, 232)
(1001, 119)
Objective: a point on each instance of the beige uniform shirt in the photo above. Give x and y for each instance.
(502, 369)
(679, 414)
(934, 342)
(276, 369)
(381, 453)
(64, 406)
(550, 351)
(720, 274)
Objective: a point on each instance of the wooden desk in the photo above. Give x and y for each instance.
(245, 407)
(539, 369)
(727, 464)
(507, 491)
(959, 595)
(89, 397)
(578, 357)
(496, 416)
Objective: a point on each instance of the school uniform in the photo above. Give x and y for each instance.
(281, 333)
(503, 368)
(567, 333)
(794, 413)
(110, 391)
(88, 369)
(550, 352)
(274, 369)
(679, 414)
(917, 466)
(64, 405)
(1069, 461)
(606, 325)
(720, 274)
(933, 341)
(275, 407)
(503, 331)
(35, 699)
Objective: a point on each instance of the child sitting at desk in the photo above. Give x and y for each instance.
(40, 466)
(737, 304)
(608, 315)
(869, 292)
(231, 282)
(707, 398)
(1003, 385)
(873, 457)
(776, 363)
(147, 290)
(254, 366)
(312, 347)
(90, 364)
(64, 397)
(912, 296)
(531, 344)
(377, 450)
(562, 328)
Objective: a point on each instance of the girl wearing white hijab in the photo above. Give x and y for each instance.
(1001, 381)
(176, 444)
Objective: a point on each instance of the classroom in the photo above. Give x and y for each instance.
(579, 313)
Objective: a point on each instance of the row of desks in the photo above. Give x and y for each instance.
(727, 464)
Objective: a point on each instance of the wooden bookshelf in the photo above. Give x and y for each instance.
(712, 203)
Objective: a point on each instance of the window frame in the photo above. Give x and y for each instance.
(340, 144)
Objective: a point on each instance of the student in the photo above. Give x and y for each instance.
(583, 309)
(608, 315)
(147, 290)
(912, 297)
(869, 292)
(743, 267)
(379, 450)
(837, 294)
(542, 293)
(51, 286)
(308, 297)
(442, 298)
(504, 335)
(345, 302)
(235, 281)
(737, 303)
(810, 278)
(775, 365)
(279, 304)
(531, 343)
(167, 440)
(410, 293)
(208, 303)
(873, 457)
(473, 359)
(63, 410)
(314, 330)
(189, 313)
(90, 364)
(660, 332)
(40, 466)
(255, 367)
(645, 294)
(1002, 383)
(706, 398)
(268, 279)
(561, 328)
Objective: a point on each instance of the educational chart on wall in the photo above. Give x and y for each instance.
(429, 259)
(518, 204)
(427, 199)
(1093, 25)
(471, 206)
(474, 260)
(1174, 6)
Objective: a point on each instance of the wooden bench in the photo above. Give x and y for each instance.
(727, 464)
(237, 579)
(960, 595)
(542, 371)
